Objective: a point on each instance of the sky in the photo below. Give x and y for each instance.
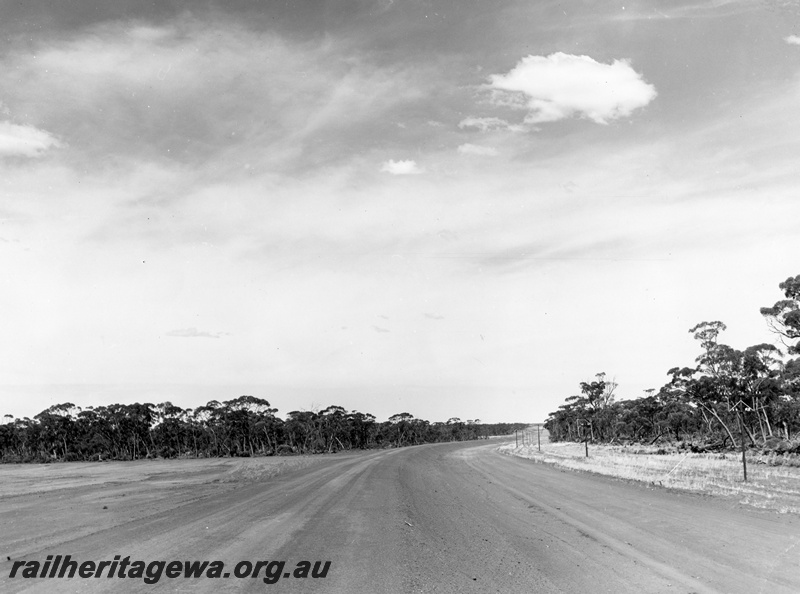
(451, 208)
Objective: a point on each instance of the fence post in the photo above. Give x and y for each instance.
(741, 433)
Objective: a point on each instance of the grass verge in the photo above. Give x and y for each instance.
(768, 486)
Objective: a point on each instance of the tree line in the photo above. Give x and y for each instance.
(728, 397)
(243, 426)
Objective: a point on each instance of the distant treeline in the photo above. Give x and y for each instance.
(244, 426)
(729, 396)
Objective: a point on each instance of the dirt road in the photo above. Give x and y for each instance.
(443, 518)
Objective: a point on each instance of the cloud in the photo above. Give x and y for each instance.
(561, 86)
(401, 167)
(475, 149)
(268, 101)
(489, 124)
(193, 333)
(696, 10)
(380, 330)
(24, 141)
(792, 39)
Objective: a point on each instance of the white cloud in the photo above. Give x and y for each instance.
(401, 167)
(475, 149)
(792, 39)
(562, 85)
(702, 9)
(489, 124)
(301, 99)
(25, 141)
(192, 333)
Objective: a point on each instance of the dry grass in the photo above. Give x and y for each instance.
(767, 487)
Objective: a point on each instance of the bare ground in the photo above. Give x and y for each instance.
(444, 518)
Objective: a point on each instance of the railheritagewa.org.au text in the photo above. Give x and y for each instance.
(151, 572)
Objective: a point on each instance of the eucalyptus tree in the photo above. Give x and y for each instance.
(141, 418)
(242, 416)
(595, 397)
(245, 425)
(333, 427)
(784, 316)
(399, 426)
(759, 379)
(205, 418)
(456, 428)
(57, 429)
(302, 431)
(784, 319)
(361, 429)
(560, 422)
(170, 432)
(710, 384)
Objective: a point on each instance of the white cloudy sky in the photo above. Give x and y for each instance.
(447, 208)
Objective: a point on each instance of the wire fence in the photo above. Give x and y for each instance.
(530, 436)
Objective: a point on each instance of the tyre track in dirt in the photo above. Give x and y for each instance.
(442, 518)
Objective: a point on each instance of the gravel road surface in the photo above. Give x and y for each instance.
(449, 518)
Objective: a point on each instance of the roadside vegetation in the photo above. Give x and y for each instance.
(729, 399)
(773, 483)
(695, 431)
(245, 426)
